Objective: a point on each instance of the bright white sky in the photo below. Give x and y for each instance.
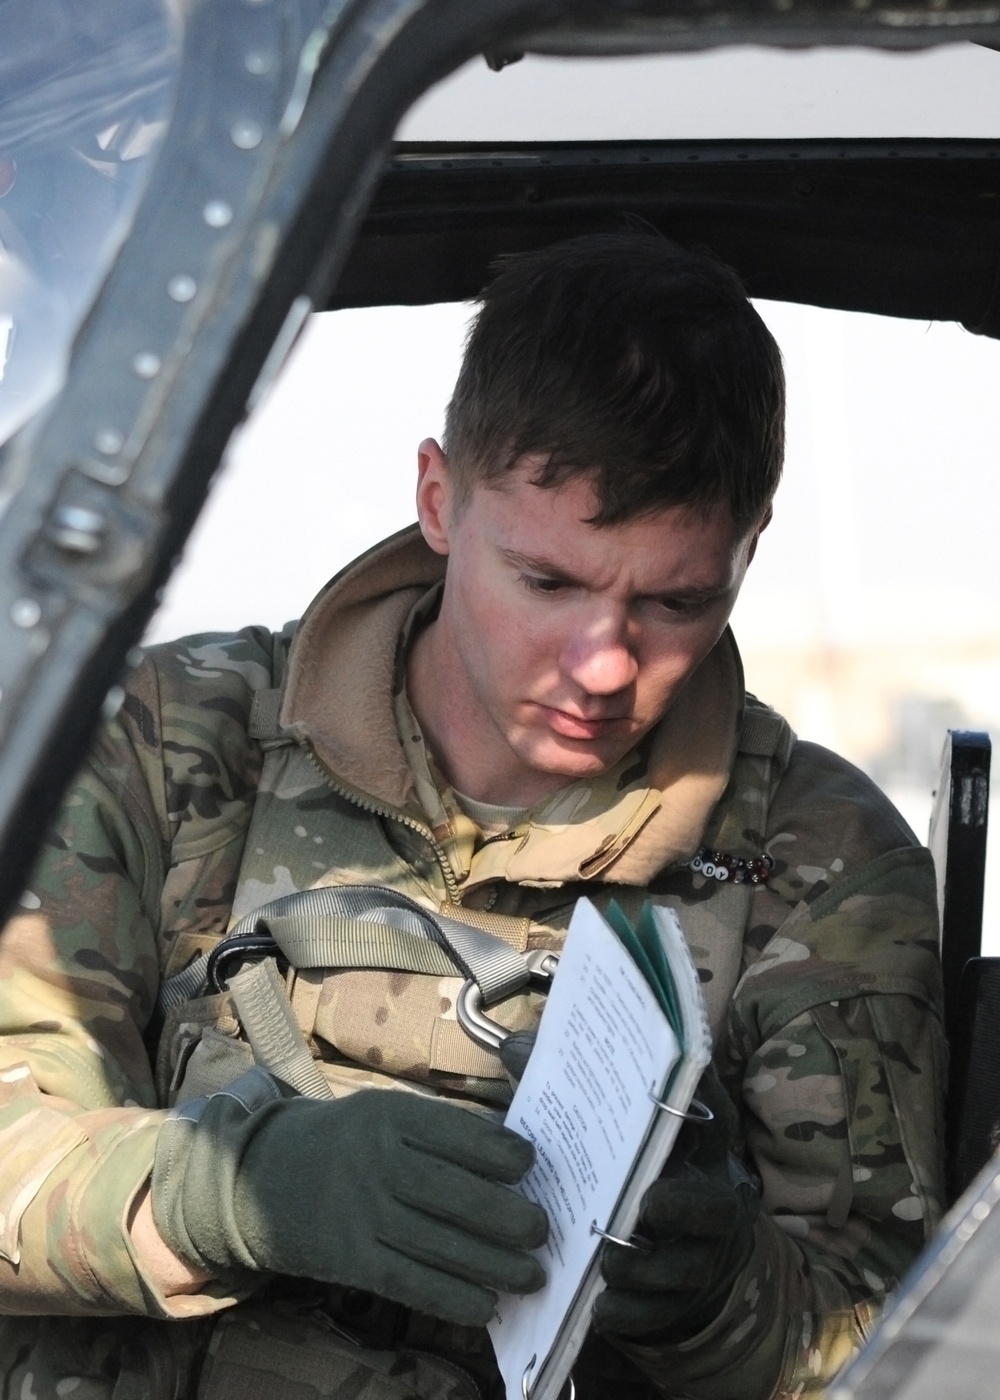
(887, 419)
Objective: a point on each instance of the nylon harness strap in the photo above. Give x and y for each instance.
(371, 926)
(348, 926)
(270, 1026)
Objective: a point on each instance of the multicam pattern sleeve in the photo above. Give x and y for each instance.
(835, 1050)
(81, 961)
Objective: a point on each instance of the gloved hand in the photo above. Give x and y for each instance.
(395, 1193)
(699, 1220)
(515, 1053)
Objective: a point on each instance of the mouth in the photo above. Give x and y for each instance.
(573, 726)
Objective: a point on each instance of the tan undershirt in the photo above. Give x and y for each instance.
(490, 817)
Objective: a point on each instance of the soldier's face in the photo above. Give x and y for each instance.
(563, 643)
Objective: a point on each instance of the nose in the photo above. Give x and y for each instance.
(600, 658)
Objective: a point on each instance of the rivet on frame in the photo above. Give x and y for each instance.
(217, 213)
(182, 287)
(258, 63)
(146, 364)
(108, 441)
(246, 135)
(26, 613)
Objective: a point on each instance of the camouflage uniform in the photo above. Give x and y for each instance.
(822, 985)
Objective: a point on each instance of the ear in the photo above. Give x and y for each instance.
(435, 496)
(758, 532)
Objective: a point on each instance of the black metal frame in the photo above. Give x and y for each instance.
(957, 840)
(958, 844)
(900, 228)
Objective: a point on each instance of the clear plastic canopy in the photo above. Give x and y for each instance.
(85, 98)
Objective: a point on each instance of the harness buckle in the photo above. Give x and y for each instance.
(481, 1028)
(233, 950)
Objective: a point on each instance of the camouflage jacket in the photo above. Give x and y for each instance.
(827, 1025)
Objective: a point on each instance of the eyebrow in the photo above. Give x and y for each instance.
(538, 565)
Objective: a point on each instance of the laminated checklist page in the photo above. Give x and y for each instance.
(624, 1027)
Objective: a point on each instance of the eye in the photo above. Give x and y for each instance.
(685, 607)
(539, 584)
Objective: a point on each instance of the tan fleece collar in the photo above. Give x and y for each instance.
(339, 698)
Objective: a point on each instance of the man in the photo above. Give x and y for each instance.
(532, 698)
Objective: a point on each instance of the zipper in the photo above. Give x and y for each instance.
(377, 809)
(504, 836)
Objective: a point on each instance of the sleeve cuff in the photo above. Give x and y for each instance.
(100, 1222)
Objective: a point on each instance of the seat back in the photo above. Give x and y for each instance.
(958, 844)
(971, 983)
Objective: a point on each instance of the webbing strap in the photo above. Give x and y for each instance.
(349, 943)
(183, 985)
(270, 1026)
(354, 926)
(264, 711)
(765, 734)
(370, 926)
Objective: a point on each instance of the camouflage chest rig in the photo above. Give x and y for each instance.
(345, 1026)
(376, 1021)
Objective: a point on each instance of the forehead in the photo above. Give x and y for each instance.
(551, 527)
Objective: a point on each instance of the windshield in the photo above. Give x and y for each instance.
(85, 94)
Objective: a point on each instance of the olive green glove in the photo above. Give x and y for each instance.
(515, 1052)
(698, 1220)
(391, 1192)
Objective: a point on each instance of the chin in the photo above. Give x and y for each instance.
(567, 763)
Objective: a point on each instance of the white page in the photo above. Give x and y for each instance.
(603, 1044)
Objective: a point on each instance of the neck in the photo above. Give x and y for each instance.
(473, 755)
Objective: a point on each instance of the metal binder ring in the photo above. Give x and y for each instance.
(526, 1373)
(698, 1112)
(525, 1393)
(643, 1246)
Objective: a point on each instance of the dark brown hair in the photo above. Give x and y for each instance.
(632, 360)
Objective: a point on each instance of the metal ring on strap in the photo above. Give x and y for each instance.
(697, 1113)
(234, 949)
(469, 1003)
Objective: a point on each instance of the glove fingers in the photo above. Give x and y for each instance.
(683, 1266)
(637, 1314)
(468, 1140)
(485, 1209)
(430, 1290)
(443, 1246)
(515, 1053)
(707, 1209)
